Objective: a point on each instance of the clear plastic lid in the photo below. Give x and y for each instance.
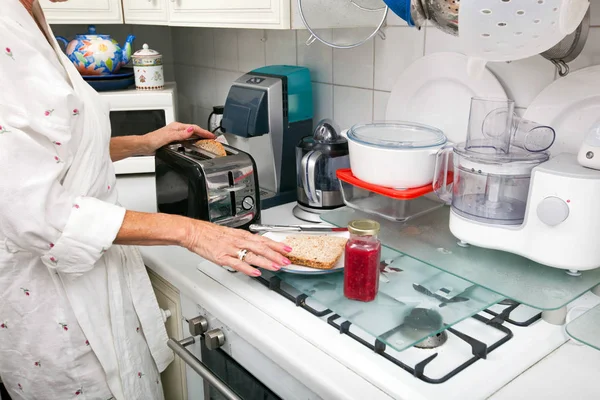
(516, 162)
(398, 135)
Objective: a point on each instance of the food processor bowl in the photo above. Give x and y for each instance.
(493, 189)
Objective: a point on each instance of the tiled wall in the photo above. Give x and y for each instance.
(349, 85)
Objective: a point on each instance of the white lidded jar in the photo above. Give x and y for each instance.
(148, 68)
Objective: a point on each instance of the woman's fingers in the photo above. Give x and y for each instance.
(241, 266)
(263, 250)
(261, 262)
(196, 130)
(276, 246)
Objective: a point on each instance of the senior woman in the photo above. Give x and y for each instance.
(78, 317)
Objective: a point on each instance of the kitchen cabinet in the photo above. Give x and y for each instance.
(151, 12)
(168, 297)
(266, 14)
(83, 12)
(253, 14)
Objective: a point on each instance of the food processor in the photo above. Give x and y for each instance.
(508, 198)
(318, 157)
(523, 203)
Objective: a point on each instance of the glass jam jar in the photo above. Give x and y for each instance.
(362, 259)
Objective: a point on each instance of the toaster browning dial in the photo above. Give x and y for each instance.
(248, 203)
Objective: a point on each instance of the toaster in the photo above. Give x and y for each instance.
(195, 183)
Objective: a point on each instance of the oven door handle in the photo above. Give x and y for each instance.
(179, 347)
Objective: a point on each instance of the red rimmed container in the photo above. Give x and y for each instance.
(392, 204)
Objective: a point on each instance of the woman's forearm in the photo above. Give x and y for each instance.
(128, 146)
(149, 229)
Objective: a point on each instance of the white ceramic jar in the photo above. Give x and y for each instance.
(148, 69)
(399, 155)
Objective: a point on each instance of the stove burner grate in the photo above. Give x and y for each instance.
(479, 350)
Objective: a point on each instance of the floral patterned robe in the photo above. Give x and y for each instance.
(78, 317)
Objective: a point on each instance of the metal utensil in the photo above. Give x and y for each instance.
(570, 47)
(295, 228)
(444, 302)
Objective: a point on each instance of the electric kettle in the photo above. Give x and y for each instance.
(318, 157)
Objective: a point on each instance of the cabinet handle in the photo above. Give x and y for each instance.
(179, 347)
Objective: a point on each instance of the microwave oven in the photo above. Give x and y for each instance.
(136, 112)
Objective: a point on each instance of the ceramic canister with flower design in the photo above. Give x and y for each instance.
(148, 69)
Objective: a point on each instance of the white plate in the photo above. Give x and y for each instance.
(298, 269)
(571, 105)
(436, 90)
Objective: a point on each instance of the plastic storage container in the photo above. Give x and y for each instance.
(362, 257)
(392, 204)
(399, 155)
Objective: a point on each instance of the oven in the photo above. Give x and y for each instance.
(136, 112)
(222, 365)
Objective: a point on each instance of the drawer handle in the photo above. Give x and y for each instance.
(179, 347)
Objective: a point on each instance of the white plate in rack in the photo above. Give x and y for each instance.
(570, 105)
(299, 269)
(436, 90)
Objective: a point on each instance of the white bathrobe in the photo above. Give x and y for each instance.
(78, 317)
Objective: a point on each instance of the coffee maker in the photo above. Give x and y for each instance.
(318, 157)
(267, 112)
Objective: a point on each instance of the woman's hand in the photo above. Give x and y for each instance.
(223, 245)
(173, 132)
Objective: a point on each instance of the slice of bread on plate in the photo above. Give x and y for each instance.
(315, 251)
(212, 146)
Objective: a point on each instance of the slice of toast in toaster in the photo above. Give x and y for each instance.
(212, 146)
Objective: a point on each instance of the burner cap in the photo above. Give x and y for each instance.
(433, 341)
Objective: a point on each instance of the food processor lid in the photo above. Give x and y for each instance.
(399, 135)
(515, 155)
(517, 162)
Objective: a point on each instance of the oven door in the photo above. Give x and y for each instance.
(223, 377)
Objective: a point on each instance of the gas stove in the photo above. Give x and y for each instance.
(476, 358)
(438, 358)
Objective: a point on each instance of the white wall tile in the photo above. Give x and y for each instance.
(595, 17)
(251, 49)
(157, 37)
(169, 72)
(394, 20)
(194, 46)
(322, 101)
(353, 67)
(200, 116)
(437, 41)
(401, 48)
(352, 106)
(317, 57)
(281, 47)
(223, 82)
(226, 49)
(202, 86)
(591, 52)
(380, 101)
(523, 80)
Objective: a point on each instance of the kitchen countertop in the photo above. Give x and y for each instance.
(239, 302)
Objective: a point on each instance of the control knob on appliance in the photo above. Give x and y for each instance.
(198, 326)
(214, 339)
(248, 203)
(552, 211)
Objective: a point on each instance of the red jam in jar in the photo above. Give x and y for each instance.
(362, 258)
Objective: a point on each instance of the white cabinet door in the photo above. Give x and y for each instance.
(150, 12)
(263, 14)
(168, 298)
(83, 12)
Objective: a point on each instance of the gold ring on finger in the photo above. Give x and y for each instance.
(242, 254)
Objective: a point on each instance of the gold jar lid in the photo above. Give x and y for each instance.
(364, 227)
